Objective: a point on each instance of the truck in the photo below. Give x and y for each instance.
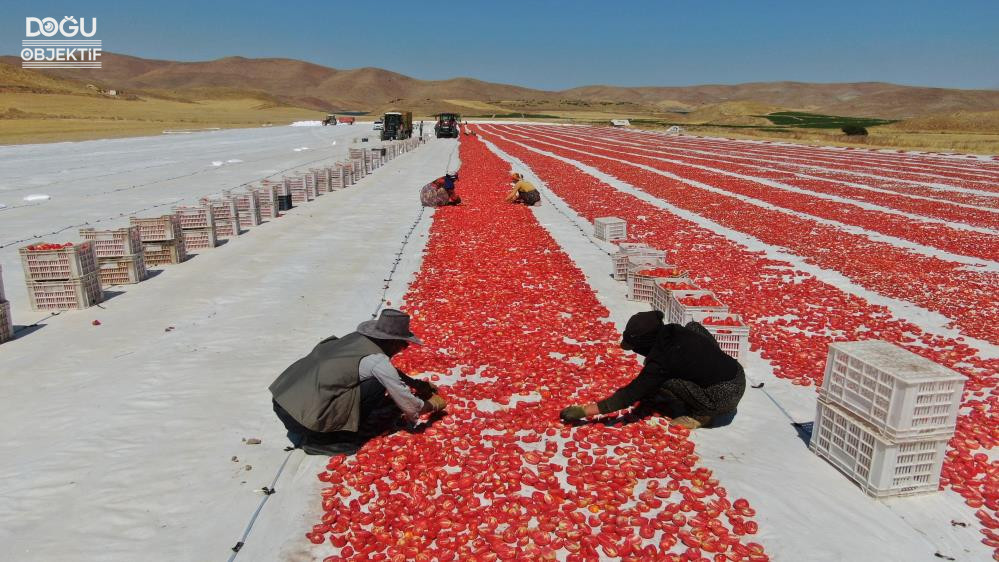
(447, 125)
(332, 119)
(397, 125)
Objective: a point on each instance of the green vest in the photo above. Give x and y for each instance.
(322, 390)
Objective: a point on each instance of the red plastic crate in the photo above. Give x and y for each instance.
(6, 322)
(166, 227)
(65, 295)
(71, 262)
(199, 216)
(122, 271)
(113, 243)
(163, 253)
(199, 238)
(681, 313)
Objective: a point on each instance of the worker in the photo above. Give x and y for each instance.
(686, 375)
(523, 191)
(330, 401)
(440, 192)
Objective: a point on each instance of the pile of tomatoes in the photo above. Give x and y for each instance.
(721, 321)
(46, 247)
(701, 301)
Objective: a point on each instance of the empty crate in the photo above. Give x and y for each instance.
(80, 293)
(192, 217)
(610, 228)
(6, 321)
(199, 239)
(122, 271)
(166, 227)
(880, 466)
(165, 252)
(897, 391)
(113, 243)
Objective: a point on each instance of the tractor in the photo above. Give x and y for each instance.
(447, 125)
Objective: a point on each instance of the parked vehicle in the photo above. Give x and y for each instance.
(447, 125)
(397, 125)
(378, 125)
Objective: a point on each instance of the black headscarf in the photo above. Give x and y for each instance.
(642, 330)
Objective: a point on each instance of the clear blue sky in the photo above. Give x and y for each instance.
(556, 45)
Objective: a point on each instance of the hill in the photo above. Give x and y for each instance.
(313, 86)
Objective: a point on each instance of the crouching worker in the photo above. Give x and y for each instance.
(331, 400)
(440, 192)
(686, 375)
(523, 191)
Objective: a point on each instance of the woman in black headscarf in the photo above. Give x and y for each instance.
(686, 375)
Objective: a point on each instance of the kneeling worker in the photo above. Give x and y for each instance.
(523, 191)
(326, 399)
(686, 374)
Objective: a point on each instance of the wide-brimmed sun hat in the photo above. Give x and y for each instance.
(392, 324)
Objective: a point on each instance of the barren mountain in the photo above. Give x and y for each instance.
(313, 86)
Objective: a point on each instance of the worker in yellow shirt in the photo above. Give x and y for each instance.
(523, 191)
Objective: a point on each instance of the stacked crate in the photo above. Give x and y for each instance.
(197, 227)
(267, 197)
(338, 178)
(162, 239)
(62, 278)
(609, 229)
(630, 253)
(296, 186)
(885, 416)
(323, 179)
(281, 192)
(6, 320)
(664, 290)
(248, 207)
(226, 217)
(311, 185)
(120, 259)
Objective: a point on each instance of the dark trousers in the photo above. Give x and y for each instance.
(372, 397)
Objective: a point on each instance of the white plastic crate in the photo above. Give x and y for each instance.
(200, 216)
(895, 390)
(6, 322)
(634, 254)
(733, 339)
(222, 209)
(610, 228)
(248, 206)
(163, 253)
(154, 229)
(113, 243)
(65, 295)
(662, 291)
(199, 238)
(71, 262)
(227, 229)
(880, 466)
(682, 312)
(122, 271)
(642, 279)
(311, 185)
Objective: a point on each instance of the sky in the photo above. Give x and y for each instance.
(554, 45)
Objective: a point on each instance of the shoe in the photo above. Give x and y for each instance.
(692, 422)
(330, 449)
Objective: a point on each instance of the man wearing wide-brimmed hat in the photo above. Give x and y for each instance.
(326, 399)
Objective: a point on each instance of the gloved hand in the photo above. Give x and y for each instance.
(422, 389)
(437, 403)
(572, 414)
